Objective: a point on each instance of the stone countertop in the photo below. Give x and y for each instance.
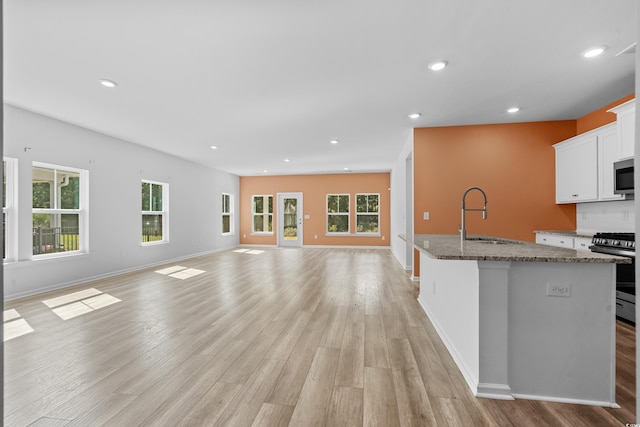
(571, 233)
(448, 246)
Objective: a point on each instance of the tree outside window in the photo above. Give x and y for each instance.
(337, 213)
(227, 213)
(154, 211)
(58, 209)
(367, 213)
(262, 214)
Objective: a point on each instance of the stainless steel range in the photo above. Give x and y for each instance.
(621, 244)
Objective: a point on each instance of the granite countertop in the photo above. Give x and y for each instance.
(572, 233)
(448, 246)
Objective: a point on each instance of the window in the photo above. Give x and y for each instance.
(262, 215)
(227, 213)
(59, 200)
(155, 212)
(367, 213)
(337, 213)
(9, 214)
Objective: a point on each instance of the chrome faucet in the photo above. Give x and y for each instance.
(463, 230)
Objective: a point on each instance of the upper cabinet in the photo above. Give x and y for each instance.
(577, 169)
(608, 153)
(584, 166)
(626, 122)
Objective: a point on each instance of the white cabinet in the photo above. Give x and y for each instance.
(577, 169)
(554, 240)
(563, 241)
(608, 153)
(626, 122)
(582, 243)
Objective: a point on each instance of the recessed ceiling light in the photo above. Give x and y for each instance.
(590, 53)
(513, 110)
(213, 147)
(334, 141)
(438, 65)
(346, 169)
(287, 160)
(108, 83)
(414, 115)
(265, 171)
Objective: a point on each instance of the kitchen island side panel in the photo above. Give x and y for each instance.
(449, 296)
(562, 347)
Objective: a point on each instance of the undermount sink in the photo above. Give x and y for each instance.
(493, 240)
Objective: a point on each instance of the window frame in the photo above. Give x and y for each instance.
(164, 213)
(347, 214)
(229, 214)
(367, 213)
(265, 203)
(82, 211)
(10, 208)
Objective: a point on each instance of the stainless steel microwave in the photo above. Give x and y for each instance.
(623, 177)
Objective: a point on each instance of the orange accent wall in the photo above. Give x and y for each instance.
(599, 117)
(315, 189)
(513, 163)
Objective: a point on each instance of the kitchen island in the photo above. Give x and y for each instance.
(523, 320)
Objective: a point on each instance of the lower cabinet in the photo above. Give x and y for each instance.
(564, 241)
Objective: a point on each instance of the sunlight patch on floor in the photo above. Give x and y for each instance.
(76, 296)
(249, 251)
(14, 325)
(11, 314)
(180, 272)
(79, 303)
(169, 270)
(185, 274)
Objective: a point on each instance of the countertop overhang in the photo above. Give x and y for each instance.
(449, 247)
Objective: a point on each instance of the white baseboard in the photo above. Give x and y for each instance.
(566, 400)
(415, 278)
(346, 247)
(494, 391)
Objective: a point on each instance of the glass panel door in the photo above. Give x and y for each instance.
(290, 219)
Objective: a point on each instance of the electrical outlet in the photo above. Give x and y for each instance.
(425, 215)
(382, 237)
(558, 290)
(315, 236)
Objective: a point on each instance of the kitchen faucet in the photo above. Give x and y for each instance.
(463, 230)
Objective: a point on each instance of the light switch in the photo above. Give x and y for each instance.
(426, 216)
(307, 216)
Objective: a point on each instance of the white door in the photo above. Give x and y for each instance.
(290, 219)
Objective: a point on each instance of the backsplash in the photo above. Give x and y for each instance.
(606, 216)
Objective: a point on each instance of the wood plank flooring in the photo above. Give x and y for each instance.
(300, 337)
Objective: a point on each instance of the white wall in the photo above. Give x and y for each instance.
(116, 168)
(606, 216)
(399, 204)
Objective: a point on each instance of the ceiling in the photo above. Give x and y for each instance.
(266, 81)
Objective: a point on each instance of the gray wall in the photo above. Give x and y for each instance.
(116, 168)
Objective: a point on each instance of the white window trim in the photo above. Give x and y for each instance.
(254, 213)
(164, 212)
(366, 233)
(11, 210)
(347, 214)
(230, 213)
(82, 211)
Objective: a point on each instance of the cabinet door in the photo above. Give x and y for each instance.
(587, 156)
(582, 243)
(554, 240)
(607, 154)
(566, 174)
(577, 170)
(626, 126)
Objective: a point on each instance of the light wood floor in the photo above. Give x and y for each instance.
(301, 337)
